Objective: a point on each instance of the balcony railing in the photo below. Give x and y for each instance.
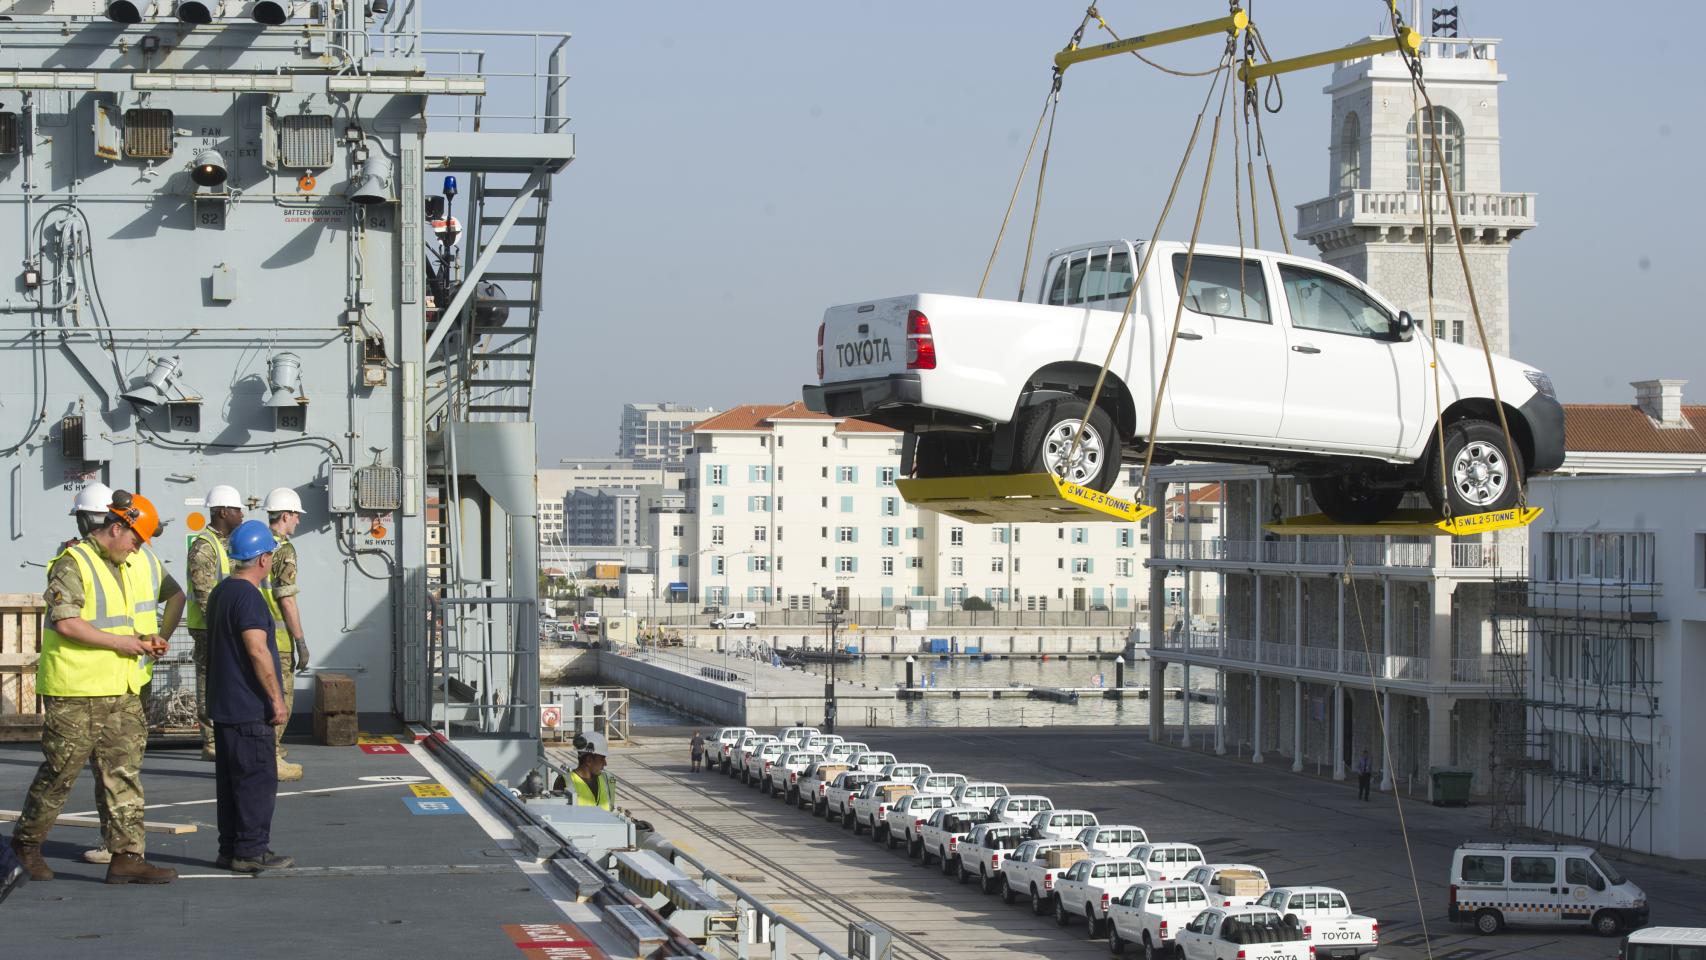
(1492, 557)
(1405, 207)
(1472, 670)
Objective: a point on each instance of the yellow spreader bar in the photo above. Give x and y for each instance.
(1407, 523)
(1019, 498)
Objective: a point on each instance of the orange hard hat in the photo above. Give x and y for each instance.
(137, 512)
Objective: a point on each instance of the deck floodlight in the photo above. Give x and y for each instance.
(374, 184)
(284, 377)
(199, 11)
(130, 11)
(379, 8)
(152, 390)
(208, 167)
(272, 13)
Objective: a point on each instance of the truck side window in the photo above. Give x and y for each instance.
(1219, 288)
(1484, 869)
(1327, 304)
(1108, 277)
(1579, 871)
(1533, 870)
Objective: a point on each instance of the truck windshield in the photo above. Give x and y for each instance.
(1606, 868)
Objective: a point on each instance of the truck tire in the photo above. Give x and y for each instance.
(1489, 922)
(879, 831)
(985, 882)
(963, 875)
(1481, 474)
(923, 855)
(914, 848)
(1351, 498)
(1039, 906)
(1045, 435)
(1007, 895)
(1061, 917)
(888, 837)
(1149, 951)
(1607, 923)
(1116, 943)
(947, 865)
(847, 822)
(1093, 925)
(858, 827)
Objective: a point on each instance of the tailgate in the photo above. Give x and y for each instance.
(864, 340)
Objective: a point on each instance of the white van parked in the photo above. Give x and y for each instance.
(1493, 884)
(736, 619)
(1665, 943)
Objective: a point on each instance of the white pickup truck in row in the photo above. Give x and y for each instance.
(1328, 923)
(1230, 884)
(838, 799)
(945, 829)
(1089, 886)
(983, 850)
(1026, 872)
(1150, 914)
(741, 763)
(1242, 933)
(907, 818)
(871, 805)
(1280, 361)
(1167, 861)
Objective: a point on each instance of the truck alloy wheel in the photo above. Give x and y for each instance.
(1116, 944)
(1061, 917)
(1046, 443)
(1039, 906)
(1488, 922)
(1007, 894)
(1481, 474)
(947, 865)
(1090, 921)
(986, 882)
(1607, 924)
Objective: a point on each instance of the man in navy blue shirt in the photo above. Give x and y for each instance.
(245, 703)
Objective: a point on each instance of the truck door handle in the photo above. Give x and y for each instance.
(1301, 348)
(1188, 335)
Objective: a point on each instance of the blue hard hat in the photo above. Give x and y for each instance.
(251, 539)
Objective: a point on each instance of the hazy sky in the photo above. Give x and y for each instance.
(742, 166)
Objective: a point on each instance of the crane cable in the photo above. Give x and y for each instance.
(1419, 87)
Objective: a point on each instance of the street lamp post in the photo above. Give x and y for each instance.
(831, 619)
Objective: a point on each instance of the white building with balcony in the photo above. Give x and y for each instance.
(1320, 639)
(1383, 178)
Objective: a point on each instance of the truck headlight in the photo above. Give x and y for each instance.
(1540, 382)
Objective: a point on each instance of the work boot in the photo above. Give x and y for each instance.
(207, 752)
(29, 854)
(288, 772)
(99, 854)
(131, 868)
(266, 861)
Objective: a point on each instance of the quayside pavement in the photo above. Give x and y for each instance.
(1300, 829)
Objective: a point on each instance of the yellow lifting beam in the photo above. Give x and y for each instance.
(1250, 71)
(1407, 523)
(1232, 23)
(1018, 498)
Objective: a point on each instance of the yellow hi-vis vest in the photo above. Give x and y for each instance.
(585, 796)
(127, 605)
(281, 634)
(196, 619)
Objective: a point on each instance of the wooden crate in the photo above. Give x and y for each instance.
(20, 648)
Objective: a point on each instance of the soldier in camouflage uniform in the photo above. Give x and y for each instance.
(92, 667)
(207, 565)
(284, 512)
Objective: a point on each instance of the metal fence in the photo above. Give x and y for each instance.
(865, 612)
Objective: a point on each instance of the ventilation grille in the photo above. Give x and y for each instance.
(305, 142)
(378, 487)
(148, 133)
(8, 134)
(70, 432)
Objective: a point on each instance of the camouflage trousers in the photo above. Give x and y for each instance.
(198, 653)
(113, 733)
(286, 667)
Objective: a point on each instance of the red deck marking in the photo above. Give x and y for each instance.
(385, 748)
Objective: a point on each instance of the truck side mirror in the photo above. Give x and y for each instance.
(1404, 328)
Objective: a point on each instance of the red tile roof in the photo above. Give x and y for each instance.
(1624, 428)
(1200, 493)
(762, 416)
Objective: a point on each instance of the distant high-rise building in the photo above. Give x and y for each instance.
(658, 431)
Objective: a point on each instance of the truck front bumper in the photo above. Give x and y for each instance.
(855, 398)
(1545, 418)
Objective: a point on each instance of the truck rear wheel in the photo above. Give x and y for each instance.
(1046, 445)
(1607, 923)
(1489, 922)
(1116, 943)
(1481, 475)
(1007, 894)
(1352, 498)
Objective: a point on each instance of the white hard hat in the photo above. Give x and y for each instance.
(94, 498)
(282, 499)
(223, 495)
(593, 743)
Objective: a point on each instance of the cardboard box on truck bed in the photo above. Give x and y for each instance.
(894, 791)
(1242, 883)
(1063, 858)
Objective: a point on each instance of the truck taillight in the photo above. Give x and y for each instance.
(882, 811)
(918, 824)
(1240, 955)
(1104, 902)
(954, 844)
(820, 351)
(1048, 881)
(1163, 930)
(920, 342)
(1376, 933)
(823, 789)
(995, 859)
(1309, 932)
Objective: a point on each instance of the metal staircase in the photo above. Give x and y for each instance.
(501, 359)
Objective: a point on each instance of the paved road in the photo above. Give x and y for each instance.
(1300, 829)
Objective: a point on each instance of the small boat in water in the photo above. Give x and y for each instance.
(794, 656)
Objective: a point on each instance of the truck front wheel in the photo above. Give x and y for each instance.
(1481, 474)
(1046, 443)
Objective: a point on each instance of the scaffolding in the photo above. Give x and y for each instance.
(1574, 719)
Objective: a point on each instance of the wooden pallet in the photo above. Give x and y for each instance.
(20, 647)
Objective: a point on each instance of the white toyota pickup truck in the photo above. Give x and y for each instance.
(871, 805)
(1280, 361)
(983, 850)
(1242, 933)
(1328, 923)
(1150, 915)
(944, 831)
(1089, 886)
(1026, 872)
(838, 799)
(906, 819)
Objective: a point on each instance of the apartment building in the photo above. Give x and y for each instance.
(658, 431)
(598, 521)
(1320, 641)
(784, 504)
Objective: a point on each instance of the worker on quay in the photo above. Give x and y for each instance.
(588, 785)
(246, 703)
(284, 512)
(103, 598)
(208, 564)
